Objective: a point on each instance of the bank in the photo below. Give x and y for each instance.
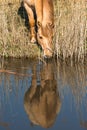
(69, 37)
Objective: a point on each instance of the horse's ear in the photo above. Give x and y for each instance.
(39, 24)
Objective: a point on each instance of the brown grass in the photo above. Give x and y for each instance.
(70, 30)
(14, 38)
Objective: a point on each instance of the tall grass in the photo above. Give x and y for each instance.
(14, 38)
(71, 28)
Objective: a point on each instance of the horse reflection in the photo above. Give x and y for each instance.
(41, 101)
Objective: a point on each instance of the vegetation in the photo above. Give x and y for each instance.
(70, 30)
(14, 38)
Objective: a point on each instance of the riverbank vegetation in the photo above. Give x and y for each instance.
(71, 28)
(70, 37)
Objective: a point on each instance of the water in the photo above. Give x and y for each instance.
(38, 95)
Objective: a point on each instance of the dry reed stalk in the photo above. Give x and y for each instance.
(14, 73)
(71, 28)
(9, 1)
(14, 38)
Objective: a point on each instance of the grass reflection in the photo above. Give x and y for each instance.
(43, 92)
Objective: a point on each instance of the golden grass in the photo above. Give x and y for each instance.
(14, 38)
(9, 1)
(70, 30)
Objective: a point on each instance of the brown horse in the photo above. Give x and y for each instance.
(42, 101)
(41, 15)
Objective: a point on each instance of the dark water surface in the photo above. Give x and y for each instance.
(36, 95)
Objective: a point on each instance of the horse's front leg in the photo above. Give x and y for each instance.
(31, 22)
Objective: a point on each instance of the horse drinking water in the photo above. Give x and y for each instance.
(41, 16)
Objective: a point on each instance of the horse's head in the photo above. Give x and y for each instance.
(45, 38)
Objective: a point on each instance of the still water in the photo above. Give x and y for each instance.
(36, 95)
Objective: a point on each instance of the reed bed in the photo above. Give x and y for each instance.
(70, 39)
(14, 37)
(71, 28)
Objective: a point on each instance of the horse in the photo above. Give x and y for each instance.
(42, 101)
(41, 22)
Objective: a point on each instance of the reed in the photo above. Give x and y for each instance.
(70, 39)
(71, 28)
(14, 38)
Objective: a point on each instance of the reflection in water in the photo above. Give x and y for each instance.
(83, 124)
(42, 101)
(41, 89)
(73, 83)
(75, 78)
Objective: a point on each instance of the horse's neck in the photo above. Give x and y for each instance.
(44, 9)
(48, 10)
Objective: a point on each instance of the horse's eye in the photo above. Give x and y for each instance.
(38, 24)
(40, 37)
